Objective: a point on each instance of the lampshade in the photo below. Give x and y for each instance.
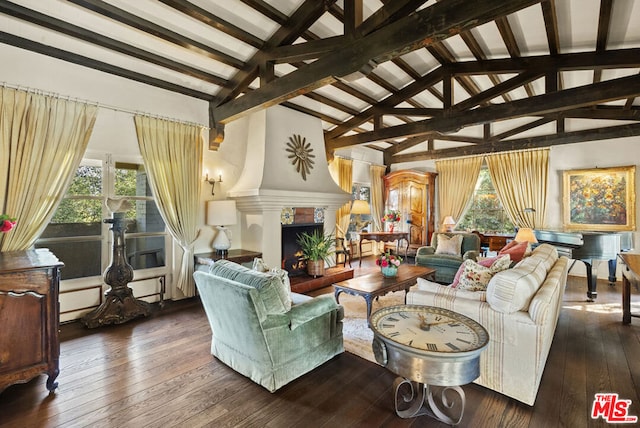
(525, 234)
(221, 213)
(448, 223)
(360, 207)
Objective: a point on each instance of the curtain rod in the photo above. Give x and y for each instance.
(97, 104)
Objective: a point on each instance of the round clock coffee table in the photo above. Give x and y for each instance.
(428, 346)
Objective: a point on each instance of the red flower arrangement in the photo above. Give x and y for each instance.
(6, 223)
(388, 259)
(392, 216)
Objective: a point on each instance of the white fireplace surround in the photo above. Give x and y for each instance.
(269, 182)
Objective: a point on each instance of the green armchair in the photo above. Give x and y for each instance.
(447, 265)
(262, 330)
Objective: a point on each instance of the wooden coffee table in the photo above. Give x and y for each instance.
(375, 285)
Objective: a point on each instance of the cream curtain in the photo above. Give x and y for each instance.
(172, 154)
(457, 180)
(520, 179)
(344, 170)
(377, 173)
(42, 141)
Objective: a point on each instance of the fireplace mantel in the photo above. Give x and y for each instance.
(274, 200)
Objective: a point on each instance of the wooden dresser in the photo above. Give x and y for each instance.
(29, 315)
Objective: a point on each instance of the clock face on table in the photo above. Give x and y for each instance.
(429, 329)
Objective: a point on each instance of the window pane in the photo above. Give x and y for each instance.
(485, 213)
(85, 213)
(145, 252)
(131, 180)
(80, 259)
(87, 181)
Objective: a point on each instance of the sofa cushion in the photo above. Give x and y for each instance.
(285, 291)
(449, 245)
(502, 263)
(275, 293)
(515, 249)
(476, 277)
(511, 290)
(447, 292)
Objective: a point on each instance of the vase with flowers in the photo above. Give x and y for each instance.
(6, 223)
(391, 217)
(389, 264)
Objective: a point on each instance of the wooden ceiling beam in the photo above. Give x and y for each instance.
(353, 15)
(620, 58)
(303, 17)
(520, 129)
(30, 45)
(391, 101)
(604, 22)
(538, 105)
(551, 25)
(303, 51)
(500, 89)
(81, 33)
(192, 10)
(414, 31)
(407, 111)
(390, 12)
(479, 54)
(124, 17)
(444, 57)
(506, 32)
(525, 143)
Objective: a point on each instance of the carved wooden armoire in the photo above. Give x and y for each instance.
(412, 193)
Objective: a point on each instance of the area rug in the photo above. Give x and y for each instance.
(357, 335)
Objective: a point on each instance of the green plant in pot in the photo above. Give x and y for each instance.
(316, 249)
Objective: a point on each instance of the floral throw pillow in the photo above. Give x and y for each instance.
(475, 277)
(449, 244)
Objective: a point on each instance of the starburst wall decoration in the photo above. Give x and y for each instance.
(301, 155)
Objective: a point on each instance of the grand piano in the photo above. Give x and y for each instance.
(587, 247)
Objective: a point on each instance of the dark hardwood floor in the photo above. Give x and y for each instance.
(158, 372)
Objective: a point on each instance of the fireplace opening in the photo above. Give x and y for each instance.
(292, 260)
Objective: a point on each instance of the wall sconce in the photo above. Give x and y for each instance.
(213, 181)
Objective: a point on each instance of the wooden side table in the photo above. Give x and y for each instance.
(236, 256)
(384, 237)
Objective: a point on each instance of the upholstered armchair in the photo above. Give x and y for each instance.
(446, 257)
(261, 329)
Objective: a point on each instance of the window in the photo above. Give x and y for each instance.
(77, 234)
(485, 213)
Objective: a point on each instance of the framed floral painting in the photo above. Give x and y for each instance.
(600, 199)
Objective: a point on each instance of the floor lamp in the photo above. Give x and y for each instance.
(221, 214)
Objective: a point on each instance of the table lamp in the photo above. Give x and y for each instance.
(525, 234)
(449, 223)
(221, 214)
(358, 208)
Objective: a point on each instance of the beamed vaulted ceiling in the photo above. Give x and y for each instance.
(416, 79)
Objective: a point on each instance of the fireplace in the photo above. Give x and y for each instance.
(269, 186)
(292, 260)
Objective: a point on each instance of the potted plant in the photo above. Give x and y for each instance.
(316, 249)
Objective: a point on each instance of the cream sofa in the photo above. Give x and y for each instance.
(519, 309)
